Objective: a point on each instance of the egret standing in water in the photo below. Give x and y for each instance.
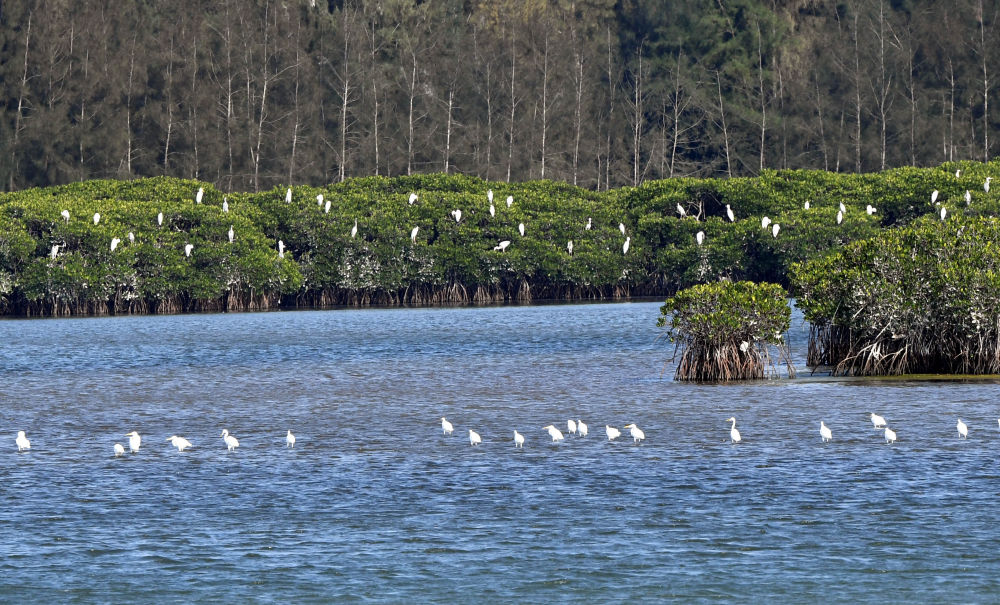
(22, 442)
(824, 431)
(446, 426)
(963, 429)
(733, 433)
(890, 435)
(231, 442)
(636, 432)
(474, 438)
(612, 432)
(289, 439)
(582, 428)
(877, 421)
(134, 440)
(555, 433)
(571, 427)
(119, 450)
(518, 440)
(179, 442)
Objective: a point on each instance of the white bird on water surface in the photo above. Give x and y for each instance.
(518, 440)
(520, 229)
(22, 441)
(179, 442)
(199, 195)
(289, 439)
(612, 432)
(571, 426)
(890, 435)
(502, 246)
(636, 432)
(187, 249)
(733, 433)
(231, 234)
(288, 196)
(824, 432)
(65, 215)
(231, 442)
(582, 428)
(555, 433)
(413, 234)
(877, 421)
(134, 441)
(474, 438)
(446, 426)
(413, 198)
(963, 429)
(628, 240)
(97, 217)
(700, 237)
(119, 450)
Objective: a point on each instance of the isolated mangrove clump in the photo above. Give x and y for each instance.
(919, 299)
(726, 330)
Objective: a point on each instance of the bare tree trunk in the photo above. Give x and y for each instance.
(725, 131)
(545, 96)
(128, 109)
(513, 103)
(857, 97)
(373, 48)
(345, 94)
(447, 137)
(763, 95)
(413, 94)
(578, 109)
(611, 108)
(986, 85)
(170, 107)
(20, 106)
(193, 111)
(296, 125)
(637, 120)
(822, 134)
(951, 113)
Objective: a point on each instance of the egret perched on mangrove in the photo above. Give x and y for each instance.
(446, 426)
(520, 229)
(22, 442)
(281, 249)
(413, 234)
(457, 214)
(730, 214)
(986, 185)
(890, 435)
(968, 197)
(187, 249)
(231, 234)
(179, 442)
(934, 196)
(571, 426)
(289, 439)
(775, 228)
(319, 200)
(413, 198)
(589, 223)
(824, 432)
(840, 216)
(636, 432)
(963, 429)
(555, 433)
(159, 219)
(493, 210)
(621, 227)
(700, 237)
(518, 440)
(958, 173)
(54, 252)
(569, 246)
(843, 208)
(474, 438)
(612, 432)
(870, 209)
(354, 229)
(502, 245)
(225, 205)
(97, 217)
(199, 195)
(65, 215)
(231, 442)
(733, 433)
(114, 243)
(944, 212)
(806, 205)
(131, 237)
(628, 240)
(288, 196)
(119, 450)
(489, 195)
(681, 211)
(877, 421)
(134, 441)
(581, 428)
(764, 222)
(326, 207)
(510, 200)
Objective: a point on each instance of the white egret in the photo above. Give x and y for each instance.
(518, 440)
(681, 211)
(134, 441)
(944, 212)
(288, 196)
(986, 185)
(326, 207)
(474, 438)
(824, 432)
(968, 197)
(840, 216)
(413, 234)
(114, 243)
(555, 433)
(225, 205)
(733, 433)
(636, 432)
(354, 229)
(187, 249)
(97, 217)
(231, 442)
(582, 428)
(22, 442)
(520, 229)
(934, 196)
(963, 429)
(65, 215)
(493, 210)
(621, 227)
(744, 346)
(502, 245)
(119, 450)
(589, 224)
(179, 442)
(806, 205)
(231, 234)
(489, 195)
(775, 228)
(319, 200)
(628, 241)
(843, 208)
(159, 219)
(612, 432)
(510, 200)
(958, 173)
(413, 198)
(877, 421)
(730, 214)
(870, 210)
(700, 237)
(289, 439)
(890, 435)
(446, 426)
(55, 251)
(131, 237)
(764, 222)
(281, 249)
(571, 427)
(457, 213)
(199, 195)
(569, 246)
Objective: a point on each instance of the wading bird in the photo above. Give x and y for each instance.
(231, 442)
(681, 211)
(54, 252)
(22, 442)
(354, 229)
(621, 227)
(944, 212)
(870, 209)
(700, 237)
(114, 243)
(518, 440)
(843, 208)
(489, 195)
(877, 421)
(890, 435)
(493, 210)
(510, 200)
(231, 234)
(733, 433)
(187, 249)
(281, 249)
(764, 222)
(457, 214)
(179, 442)
(636, 432)
(225, 205)
(134, 441)
(288, 196)
(986, 185)
(65, 215)
(326, 207)
(199, 195)
(628, 240)
(555, 433)
(731, 215)
(413, 198)
(840, 216)
(97, 217)
(589, 224)
(824, 431)
(806, 205)
(131, 237)
(569, 246)
(775, 228)
(520, 229)
(968, 197)
(319, 200)
(963, 429)
(582, 428)
(413, 234)
(289, 439)
(502, 245)
(958, 173)
(571, 427)
(159, 219)
(446, 426)
(934, 196)
(119, 450)
(612, 432)
(474, 438)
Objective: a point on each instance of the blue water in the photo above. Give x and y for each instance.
(375, 504)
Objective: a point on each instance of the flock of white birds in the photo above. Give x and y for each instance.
(135, 440)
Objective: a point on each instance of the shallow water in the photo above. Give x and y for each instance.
(375, 504)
